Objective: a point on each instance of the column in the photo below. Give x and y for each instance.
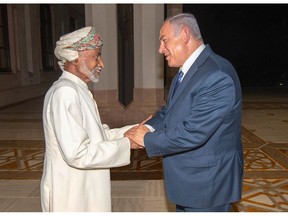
(149, 65)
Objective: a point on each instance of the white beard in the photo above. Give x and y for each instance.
(91, 74)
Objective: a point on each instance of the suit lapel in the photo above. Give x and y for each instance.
(172, 88)
(188, 77)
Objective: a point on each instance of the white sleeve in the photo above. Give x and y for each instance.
(74, 143)
(116, 133)
(150, 128)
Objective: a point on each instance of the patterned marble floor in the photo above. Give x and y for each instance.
(265, 142)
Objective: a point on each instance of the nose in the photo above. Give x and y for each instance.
(101, 63)
(161, 47)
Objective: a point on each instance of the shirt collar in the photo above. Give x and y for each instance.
(192, 58)
(73, 78)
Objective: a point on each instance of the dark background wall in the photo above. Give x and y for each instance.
(254, 37)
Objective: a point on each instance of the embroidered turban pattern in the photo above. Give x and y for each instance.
(69, 45)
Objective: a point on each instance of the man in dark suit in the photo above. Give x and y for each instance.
(198, 132)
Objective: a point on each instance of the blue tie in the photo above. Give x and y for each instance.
(180, 75)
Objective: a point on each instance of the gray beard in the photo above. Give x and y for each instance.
(93, 77)
(89, 73)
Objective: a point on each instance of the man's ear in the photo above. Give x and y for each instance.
(75, 62)
(185, 33)
(69, 64)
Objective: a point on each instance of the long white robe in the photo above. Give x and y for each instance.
(79, 150)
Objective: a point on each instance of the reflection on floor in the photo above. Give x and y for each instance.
(266, 163)
(265, 186)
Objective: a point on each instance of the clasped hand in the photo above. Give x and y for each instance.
(136, 134)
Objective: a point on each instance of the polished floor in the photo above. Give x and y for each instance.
(139, 186)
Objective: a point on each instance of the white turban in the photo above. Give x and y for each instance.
(69, 45)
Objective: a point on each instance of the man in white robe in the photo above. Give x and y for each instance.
(79, 148)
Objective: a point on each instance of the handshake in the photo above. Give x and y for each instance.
(136, 134)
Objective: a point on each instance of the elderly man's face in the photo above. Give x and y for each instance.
(171, 46)
(90, 64)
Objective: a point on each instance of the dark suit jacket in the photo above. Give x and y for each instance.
(198, 133)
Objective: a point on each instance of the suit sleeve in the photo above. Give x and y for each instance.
(74, 143)
(212, 103)
(157, 121)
